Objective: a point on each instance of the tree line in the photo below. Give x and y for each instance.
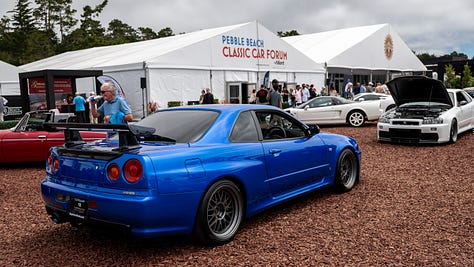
(29, 33)
(50, 27)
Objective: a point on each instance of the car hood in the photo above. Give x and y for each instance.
(418, 89)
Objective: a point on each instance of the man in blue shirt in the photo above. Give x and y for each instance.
(114, 109)
(79, 102)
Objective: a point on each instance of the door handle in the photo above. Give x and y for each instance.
(41, 136)
(275, 151)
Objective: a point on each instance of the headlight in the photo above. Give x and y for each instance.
(384, 119)
(436, 120)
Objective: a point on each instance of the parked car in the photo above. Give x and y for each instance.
(336, 110)
(470, 91)
(370, 97)
(385, 101)
(426, 112)
(195, 169)
(30, 141)
(387, 104)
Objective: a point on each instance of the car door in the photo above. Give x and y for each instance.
(319, 110)
(24, 145)
(292, 161)
(466, 111)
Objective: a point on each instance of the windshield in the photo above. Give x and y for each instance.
(182, 126)
(32, 121)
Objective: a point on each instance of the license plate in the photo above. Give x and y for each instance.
(78, 208)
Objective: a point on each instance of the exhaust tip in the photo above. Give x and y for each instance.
(57, 218)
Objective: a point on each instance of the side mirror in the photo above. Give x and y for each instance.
(463, 102)
(314, 129)
(306, 107)
(361, 99)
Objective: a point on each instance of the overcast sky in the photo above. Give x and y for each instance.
(436, 26)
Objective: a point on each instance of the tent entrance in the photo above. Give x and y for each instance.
(238, 93)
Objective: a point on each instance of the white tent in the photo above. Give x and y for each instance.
(359, 50)
(231, 60)
(9, 84)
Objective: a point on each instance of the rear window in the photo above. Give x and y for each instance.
(183, 126)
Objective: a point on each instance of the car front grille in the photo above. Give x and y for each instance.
(409, 136)
(395, 122)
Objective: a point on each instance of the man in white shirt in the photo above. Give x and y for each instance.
(305, 93)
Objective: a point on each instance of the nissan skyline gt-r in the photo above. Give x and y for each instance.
(426, 112)
(29, 141)
(196, 169)
(336, 110)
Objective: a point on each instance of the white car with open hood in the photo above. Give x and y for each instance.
(426, 112)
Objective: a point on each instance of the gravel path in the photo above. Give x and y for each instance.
(413, 207)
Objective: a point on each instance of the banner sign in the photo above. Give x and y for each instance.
(61, 86)
(245, 47)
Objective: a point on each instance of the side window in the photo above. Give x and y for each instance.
(244, 129)
(275, 126)
(466, 97)
(460, 97)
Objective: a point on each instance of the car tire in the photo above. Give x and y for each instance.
(356, 118)
(453, 132)
(220, 214)
(347, 170)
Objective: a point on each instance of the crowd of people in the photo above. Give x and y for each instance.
(350, 90)
(114, 108)
(304, 92)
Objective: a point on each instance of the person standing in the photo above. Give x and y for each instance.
(370, 87)
(304, 93)
(262, 95)
(253, 97)
(348, 91)
(80, 109)
(201, 97)
(274, 97)
(284, 94)
(92, 97)
(3, 103)
(298, 95)
(114, 109)
(208, 97)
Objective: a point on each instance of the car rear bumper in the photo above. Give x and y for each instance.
(148, 215)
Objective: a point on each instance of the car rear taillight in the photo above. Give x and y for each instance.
(113, 172)
(133, 171)
(50, 161)
(55, 164)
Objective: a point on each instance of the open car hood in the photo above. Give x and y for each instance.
(409, 89)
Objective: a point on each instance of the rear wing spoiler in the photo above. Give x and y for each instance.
(129, 134)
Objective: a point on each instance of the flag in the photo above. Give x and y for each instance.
(266, 79)
(107, 79)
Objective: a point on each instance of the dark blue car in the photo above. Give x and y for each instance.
(198, 169)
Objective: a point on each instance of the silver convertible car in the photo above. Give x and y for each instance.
(426, 112)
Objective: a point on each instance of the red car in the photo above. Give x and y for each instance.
(29, 141)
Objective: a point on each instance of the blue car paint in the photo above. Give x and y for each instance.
(176, 176)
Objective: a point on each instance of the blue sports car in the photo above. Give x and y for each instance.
(198, 169)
